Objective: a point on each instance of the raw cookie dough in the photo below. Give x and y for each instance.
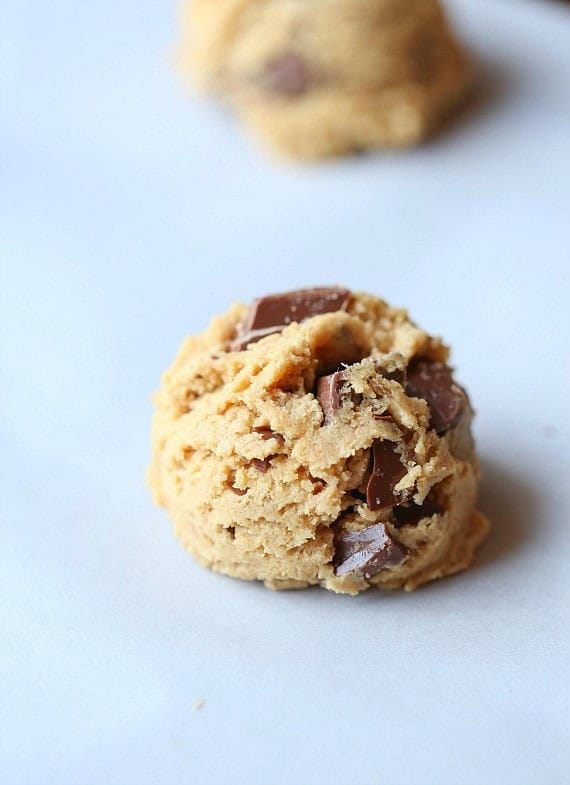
(327, 77)
(318, 437)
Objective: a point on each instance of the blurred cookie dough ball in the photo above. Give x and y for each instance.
(318, 78)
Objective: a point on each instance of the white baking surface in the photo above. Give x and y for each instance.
(131, 213)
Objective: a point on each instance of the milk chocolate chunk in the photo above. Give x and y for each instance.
(286, 74)
(385, 417)
(367, 551)
(412, 514)
(396, 376)
(279, 310)
(433, 382)
(267, 433)
(262, 465)
(272, 313)
(329, 394)
(387, 471)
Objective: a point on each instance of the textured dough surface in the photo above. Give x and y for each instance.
(257, 485)
(358, 74)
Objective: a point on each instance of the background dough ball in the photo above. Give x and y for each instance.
(324, 78)
(318, 437)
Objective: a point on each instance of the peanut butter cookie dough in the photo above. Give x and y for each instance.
(318, 437)
(318, 78)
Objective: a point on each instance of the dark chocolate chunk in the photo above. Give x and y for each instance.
(328, 394)
(433, 382)
(262, 465)
(396, 376)
(367, 551)
(267, 433)
(286, 74)
(412, 514)
(387, 471)
(272, 313)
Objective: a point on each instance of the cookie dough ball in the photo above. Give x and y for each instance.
(318, 437)
(317, 78)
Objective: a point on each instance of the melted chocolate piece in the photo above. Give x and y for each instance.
(272, 313)
(367, 551)
(387, 471)
(433, 382)
(286, 74)
(329, 394)
(412, 514)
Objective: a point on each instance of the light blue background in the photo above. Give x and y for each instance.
(130, 214)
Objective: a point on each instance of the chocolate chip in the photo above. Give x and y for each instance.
(387, 471)
(286, 74)
(412, 514)
(367, 551)
(272, 313)
(329, 394)
(433, 382)
(238, 491)
(396, 376)
(279, 310)
(356, 494)
(262, 465)
(267, 433)
(385, 416)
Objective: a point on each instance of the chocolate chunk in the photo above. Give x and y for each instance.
(267, 433)
(262, 465)
(358, 496)
(387, 471)
(286, 74)
(433, 382)
(318, 486)
(329, 394)
(238, 491)
(396, 376)
(412, 514)
(367, 551)
(243, 339)
(279, 310)
(272, 313)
